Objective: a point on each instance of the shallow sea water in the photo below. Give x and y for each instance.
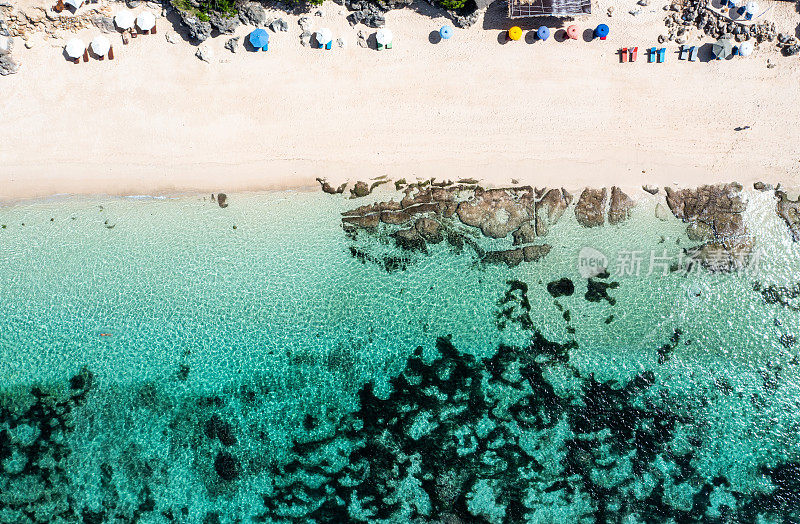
(166, 360)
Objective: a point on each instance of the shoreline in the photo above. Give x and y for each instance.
(157, 120)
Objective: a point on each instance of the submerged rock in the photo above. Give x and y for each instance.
(550, 209)
(497, 212)
(561, 287)
(222, 200)
(430, 230)
(227, 466)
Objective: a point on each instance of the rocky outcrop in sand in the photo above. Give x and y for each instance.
(789, 211)
(714, 216)
(326, 187)
(550, 209)
(590, 207)
(198, 30)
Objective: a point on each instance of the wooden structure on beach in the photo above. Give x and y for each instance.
(530, 8)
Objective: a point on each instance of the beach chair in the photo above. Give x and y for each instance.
(634, 54)
(328, 45)
(266, 47)
(389, 45)
(153, 31)
(86, 55)
(662, 55)
(111, 53)
(380, 47)
(692, 54)
(59, 6)
(684, 54)
(133, 33)
(623, 55)
(651, 55)
(125, 38)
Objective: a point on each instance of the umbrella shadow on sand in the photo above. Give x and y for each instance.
(434, 37)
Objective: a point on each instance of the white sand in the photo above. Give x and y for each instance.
(158, 120)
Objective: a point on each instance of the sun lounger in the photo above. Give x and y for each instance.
(684, 54)
(623, 55)
(634, 54)
(380, 47)
(125, 39)
(86, 55)
(111, 53)
(328, 46)
(59, 6)
(651, 55)
(389, 45)
(662, 55)
(153, 31)
(692, 54)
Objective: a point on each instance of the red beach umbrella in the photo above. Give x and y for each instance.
(572, 32)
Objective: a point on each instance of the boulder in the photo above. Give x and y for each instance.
(198, 30)
(662, 213)
(327, 188)
(305, 38)
(279, 24)
(222, 200)
(653, 190)
(561, 288)
(511, 257)
(525, 234)
(232, 44)
(204, 53)
(395, 217)
(430, 230)
(719, 206)
(789, 211)
(700, 232)
(620, 207)
(225, 25)
(361, 189)
(253, 14)
(367, 221)
(590, 207)
(8, 66)
(550, 208)
(104, 24)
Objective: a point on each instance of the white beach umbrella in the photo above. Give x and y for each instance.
(324, 36)
(746, 48)
(384, 36)
(75, 48)
(5, 45)
(74, 3)
(124, 20)
(146, 21)
(751, 7)
(100, 45)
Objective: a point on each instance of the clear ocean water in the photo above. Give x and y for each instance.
(166, 360)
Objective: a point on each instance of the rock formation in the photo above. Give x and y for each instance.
(620, 206)
(199, 30)
(714, 216)
(789, 211)
(326, 187)
(590, 207)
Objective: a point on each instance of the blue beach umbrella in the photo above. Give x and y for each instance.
(543, 33)
(259, 38)
(601, 31)
(446, 32)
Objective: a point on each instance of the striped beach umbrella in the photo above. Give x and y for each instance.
(100, 45)
(146, 21)
(124, 20)
(75, 48)
(446, 32)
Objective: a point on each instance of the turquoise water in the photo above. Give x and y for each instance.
(168, 360)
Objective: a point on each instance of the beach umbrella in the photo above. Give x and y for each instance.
(100, 45)
(543, 33)
(74, 3)
(324, 36)
(722, 48)
(515, 33)
(259, 38)
(446, 32)
(746, 48)
(751, 7)
(601, 31)
(75, 48)
(124, 20)
(572, 32)
(146, 21)
(384, 36)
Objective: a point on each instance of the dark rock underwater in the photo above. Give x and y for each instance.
(523, 435)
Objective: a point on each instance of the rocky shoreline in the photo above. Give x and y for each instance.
(432, 212)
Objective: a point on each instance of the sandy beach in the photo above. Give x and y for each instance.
(158, 120)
